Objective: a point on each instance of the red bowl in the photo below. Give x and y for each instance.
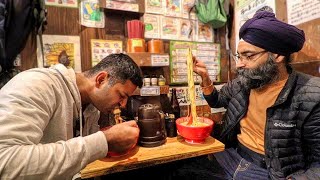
(194, 134)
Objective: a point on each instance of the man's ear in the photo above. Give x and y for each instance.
(279, 58)
(101, 78)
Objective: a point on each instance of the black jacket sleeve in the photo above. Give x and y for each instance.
(311, 139)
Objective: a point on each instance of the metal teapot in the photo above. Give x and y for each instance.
(152, 126)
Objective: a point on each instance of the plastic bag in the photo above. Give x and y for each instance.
(211, 12)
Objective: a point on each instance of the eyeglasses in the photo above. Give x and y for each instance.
(249, 57)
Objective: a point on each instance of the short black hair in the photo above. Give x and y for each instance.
(120, 67)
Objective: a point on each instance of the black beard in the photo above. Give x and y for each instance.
(260, 76)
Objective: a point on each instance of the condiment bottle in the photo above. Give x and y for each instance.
(171, 127)
(146, 80)
(154, 80)
(161, 81)
(175, 104)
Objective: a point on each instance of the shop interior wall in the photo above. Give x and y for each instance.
(308, 59)
(65, 21)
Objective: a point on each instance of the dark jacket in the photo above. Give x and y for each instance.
(16, 23)
(292, 132)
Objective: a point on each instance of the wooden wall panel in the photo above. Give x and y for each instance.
(28, 55)
(63, 21)
(311, 67)
(86, 35)
(311, 49)
(224, 62)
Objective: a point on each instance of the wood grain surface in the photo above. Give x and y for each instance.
(140, 157)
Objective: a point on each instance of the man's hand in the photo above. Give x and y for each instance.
(200, 68)
(122, 137)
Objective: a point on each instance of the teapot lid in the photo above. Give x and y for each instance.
(149, 107)
(147, 111)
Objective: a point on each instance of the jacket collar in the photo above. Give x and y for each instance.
(284, 93)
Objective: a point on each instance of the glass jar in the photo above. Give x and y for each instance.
(146, 81)
(154, 80)
(161, 81)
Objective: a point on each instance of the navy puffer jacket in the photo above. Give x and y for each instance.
(292, 132)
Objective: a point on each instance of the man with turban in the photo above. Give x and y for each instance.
(271, 128)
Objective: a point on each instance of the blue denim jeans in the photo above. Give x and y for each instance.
(227, 164)
(238, 168)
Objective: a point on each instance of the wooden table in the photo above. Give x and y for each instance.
(174, 149)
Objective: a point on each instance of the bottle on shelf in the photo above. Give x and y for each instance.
(161, 81)
(175, 104)
(146, 80)
(154, 80)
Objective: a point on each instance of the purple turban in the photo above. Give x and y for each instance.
(267, 32)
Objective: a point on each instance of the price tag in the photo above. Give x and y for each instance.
(160, 59)
(150, 91)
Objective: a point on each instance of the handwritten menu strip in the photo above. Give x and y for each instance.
(209, 53)
(302, 11)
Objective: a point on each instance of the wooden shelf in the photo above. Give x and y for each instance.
(163, 90)
(143, 59)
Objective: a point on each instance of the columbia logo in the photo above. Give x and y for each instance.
(284, 125)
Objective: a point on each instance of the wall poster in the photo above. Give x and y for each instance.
(302, 11)
(102, 48)
(62, 3)
(60, 49)
(91, 15)
(154, 6)
(152, 25)
(183, 96)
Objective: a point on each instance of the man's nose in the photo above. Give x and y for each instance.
(240, 64)
(123, 103)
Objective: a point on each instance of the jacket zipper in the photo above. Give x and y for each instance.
(239, 118)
